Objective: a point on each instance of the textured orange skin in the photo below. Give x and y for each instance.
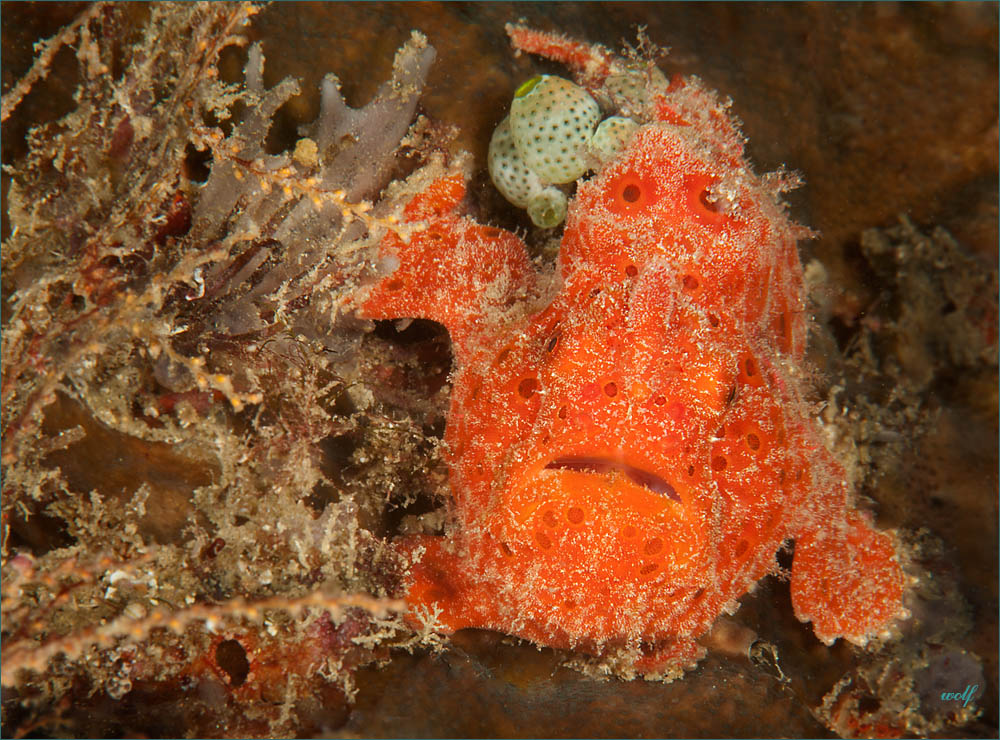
(674, 345)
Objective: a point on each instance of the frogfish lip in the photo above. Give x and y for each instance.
(607, 515)
(609, 465)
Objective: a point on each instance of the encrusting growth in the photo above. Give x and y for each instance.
(173, 358)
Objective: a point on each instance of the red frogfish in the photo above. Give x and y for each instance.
(629, 448)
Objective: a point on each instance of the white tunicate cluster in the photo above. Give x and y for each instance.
(549, 139)
(611, 136)
(512, 176)
(629, 91)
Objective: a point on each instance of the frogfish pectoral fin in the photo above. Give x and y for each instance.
(438, 597)
(451, 270)
(847, 580)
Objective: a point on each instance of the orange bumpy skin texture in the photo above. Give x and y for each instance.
(628, 454)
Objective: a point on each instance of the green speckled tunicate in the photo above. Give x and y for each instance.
(611, 136)
(551, 123)
(518, 184)
(549, 208)
(549, 140)
(630, 90)
(508, 171)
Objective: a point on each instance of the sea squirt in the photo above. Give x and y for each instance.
(550, 138)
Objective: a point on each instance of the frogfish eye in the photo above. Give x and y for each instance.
(702, 201)
(630, 194)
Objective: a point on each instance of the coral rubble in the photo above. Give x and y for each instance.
(189, 325)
